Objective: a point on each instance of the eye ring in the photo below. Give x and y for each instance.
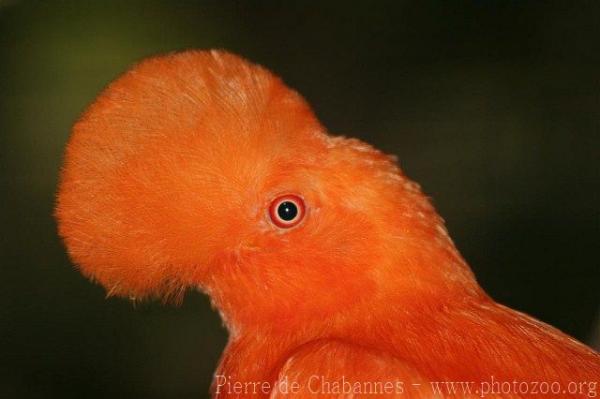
(287, 211)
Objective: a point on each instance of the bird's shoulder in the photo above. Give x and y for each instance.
(336, 368)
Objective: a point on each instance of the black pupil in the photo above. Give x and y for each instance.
(287, 211)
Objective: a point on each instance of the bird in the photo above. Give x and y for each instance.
(331, 270)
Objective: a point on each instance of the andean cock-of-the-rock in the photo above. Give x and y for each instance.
(329, 267)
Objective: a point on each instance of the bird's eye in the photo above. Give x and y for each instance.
(287, 211)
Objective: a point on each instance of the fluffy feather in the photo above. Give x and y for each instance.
(166, 185)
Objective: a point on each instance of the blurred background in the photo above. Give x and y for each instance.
(493, 106)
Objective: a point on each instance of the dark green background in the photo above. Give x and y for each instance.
(493, 106)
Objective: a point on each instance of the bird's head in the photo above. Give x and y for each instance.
(202, 170)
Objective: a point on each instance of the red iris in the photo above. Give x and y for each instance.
(287, 210)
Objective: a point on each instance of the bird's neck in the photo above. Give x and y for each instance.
(376, 325)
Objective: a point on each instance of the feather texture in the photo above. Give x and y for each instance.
(166, 185)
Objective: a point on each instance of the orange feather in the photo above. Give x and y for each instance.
(167, 182)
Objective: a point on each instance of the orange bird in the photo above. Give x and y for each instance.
(333, 273)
